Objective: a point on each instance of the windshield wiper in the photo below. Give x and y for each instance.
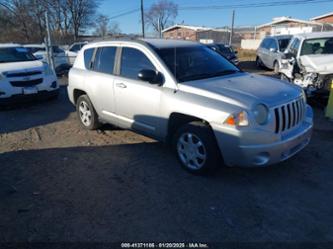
(225, 72)
(207, 75)
(194, 77)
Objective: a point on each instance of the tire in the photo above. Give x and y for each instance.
(204, 154)
(259, 63)
(86, 113)
(276, 67)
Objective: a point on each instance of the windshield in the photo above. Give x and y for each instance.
(317, 46)
(195, 62)
(283, 44)
(15, 54)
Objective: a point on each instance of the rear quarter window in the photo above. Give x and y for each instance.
(88, 53)
(105, 60)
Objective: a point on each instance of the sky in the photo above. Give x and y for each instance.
(213, 17)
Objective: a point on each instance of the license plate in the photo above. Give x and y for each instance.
(30, 90)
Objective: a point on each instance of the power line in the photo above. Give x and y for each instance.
(125, 13)
(253, 5)
(239, 5)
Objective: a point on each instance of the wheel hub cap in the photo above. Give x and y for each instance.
(85, 113)
(191, 151)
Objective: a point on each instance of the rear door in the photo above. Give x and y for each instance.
(100, 81)
(137, 102)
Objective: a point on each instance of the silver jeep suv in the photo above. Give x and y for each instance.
(184, 93)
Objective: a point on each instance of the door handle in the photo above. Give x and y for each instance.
(121, 85)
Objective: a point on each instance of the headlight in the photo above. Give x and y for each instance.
(2, 77)
(261, 114)
(238, 119)
(47, 69)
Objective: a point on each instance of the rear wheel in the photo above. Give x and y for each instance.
(196, 148)
(86, 113)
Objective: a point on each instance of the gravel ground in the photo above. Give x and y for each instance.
(60, 183)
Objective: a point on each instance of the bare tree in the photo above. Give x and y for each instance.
(82, 13)
(24, 20)
(114, 28)
(102, 25)
(161, 14)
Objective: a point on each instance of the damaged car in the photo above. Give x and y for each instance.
(308, 62)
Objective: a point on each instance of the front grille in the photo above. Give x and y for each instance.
(26, 83)
(22, 74)
(289, 115)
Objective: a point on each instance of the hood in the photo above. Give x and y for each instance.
(244, 89)
(318, 63)
(21, 66)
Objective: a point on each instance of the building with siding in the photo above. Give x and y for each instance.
(287, 26)
(326, 18)
(196, 33)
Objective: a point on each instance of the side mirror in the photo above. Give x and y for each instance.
(151, 76)
(273, 50)
(287, 55)
(235, 51)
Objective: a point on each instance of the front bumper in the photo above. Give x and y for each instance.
(21, 98)
(271, 148)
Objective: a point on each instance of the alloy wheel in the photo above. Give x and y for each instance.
(85, 113)
(191, 151)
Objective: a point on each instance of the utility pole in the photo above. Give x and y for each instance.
(142, 20)
(159, 28)
(232, 27)
(48, 44)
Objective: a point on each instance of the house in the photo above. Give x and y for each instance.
(196, 33)
(182, 32)
(287, 25)
(326, 18)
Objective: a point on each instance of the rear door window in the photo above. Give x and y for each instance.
(132, 62)
(104, 61)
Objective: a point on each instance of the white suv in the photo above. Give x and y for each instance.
(23, 77)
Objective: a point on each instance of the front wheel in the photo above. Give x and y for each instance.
(86, 113)
(196, 148)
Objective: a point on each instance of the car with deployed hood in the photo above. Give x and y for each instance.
(308, 62)
(23, 77)
(185, 94)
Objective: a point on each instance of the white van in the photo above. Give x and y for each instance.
(23, 77)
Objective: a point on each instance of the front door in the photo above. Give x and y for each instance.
(137, 102)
